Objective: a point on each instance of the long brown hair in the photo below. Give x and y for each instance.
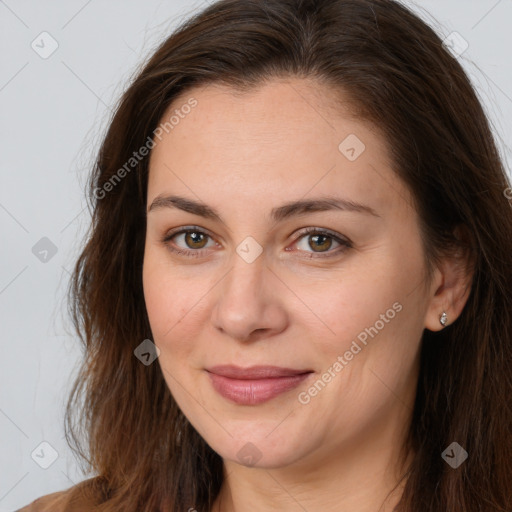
(121, 418)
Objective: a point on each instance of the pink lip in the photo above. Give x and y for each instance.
(254, 385)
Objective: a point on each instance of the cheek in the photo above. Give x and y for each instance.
(371, 319)
(168, 297)
(351, 301)
(165, 308)
(176, 315)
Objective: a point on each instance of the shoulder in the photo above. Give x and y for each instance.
(70, 500)
(56, 502)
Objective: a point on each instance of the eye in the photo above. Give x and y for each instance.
(195, 240)
(321, 239)
(193, 237)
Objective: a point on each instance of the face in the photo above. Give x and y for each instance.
(235, 275)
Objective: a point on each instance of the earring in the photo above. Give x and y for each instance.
(443, 318)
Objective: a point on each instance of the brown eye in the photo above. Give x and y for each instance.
(321, 241)
(188, 242)
(195, 239)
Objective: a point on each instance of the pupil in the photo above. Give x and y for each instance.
(194, 235)
(317, 237)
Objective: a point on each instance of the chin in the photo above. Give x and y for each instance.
(257, 448)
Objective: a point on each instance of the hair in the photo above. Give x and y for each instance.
(121, 418)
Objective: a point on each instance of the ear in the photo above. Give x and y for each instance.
(451, 284)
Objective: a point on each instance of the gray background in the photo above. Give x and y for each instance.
(54, 111)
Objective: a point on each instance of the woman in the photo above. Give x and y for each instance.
(230, 364)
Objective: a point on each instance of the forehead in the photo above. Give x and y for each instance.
(285, 137)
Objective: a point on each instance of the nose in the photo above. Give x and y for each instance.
(250, 301)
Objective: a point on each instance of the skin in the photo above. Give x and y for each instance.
(244, 154)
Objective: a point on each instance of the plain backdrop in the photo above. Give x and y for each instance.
(63, 66)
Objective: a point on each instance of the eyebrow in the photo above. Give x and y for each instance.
(278, 214)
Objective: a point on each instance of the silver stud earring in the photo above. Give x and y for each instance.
(443, 318)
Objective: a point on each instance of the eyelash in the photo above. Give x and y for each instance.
(345, 243)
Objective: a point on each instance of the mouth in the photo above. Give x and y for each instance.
(256, 384)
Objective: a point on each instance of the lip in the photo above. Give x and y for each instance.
(256, 384)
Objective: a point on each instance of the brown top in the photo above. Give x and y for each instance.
(58, 502)
(55, 502)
